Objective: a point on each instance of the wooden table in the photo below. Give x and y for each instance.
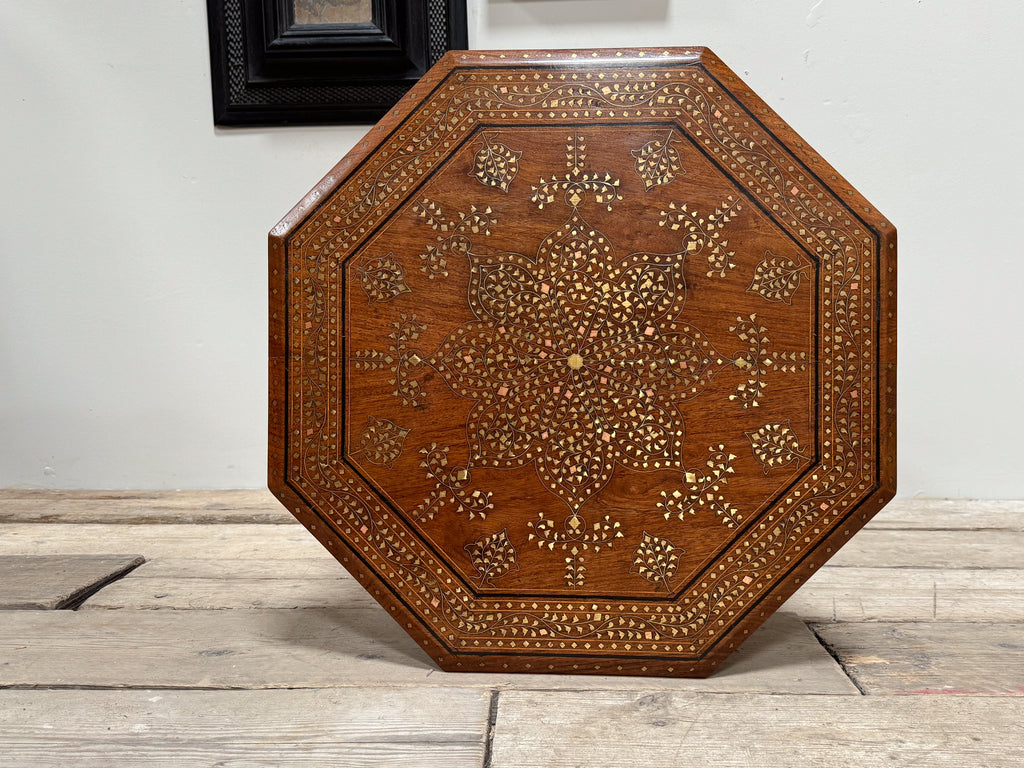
(240, 641)
(582, 362)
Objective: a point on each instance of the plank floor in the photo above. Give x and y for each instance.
(209, 629)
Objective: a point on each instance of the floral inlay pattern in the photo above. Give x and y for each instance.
(578, 183)
(493, 556)
(577, 355)
(495, 165)
(759, 360)
(574, 538)
(790, 208)
(381, 278)
(777, 278)
(704, 488)
(382, 441)
(451, 485)
(656, 560)
(400, 359)
(775, 445)
(704, 233)
(657, 162)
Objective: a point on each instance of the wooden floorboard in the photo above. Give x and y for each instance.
(196, 507)
(983, 659)
(324, 648)
(213, 594)
(317, 566)
(49, 582)
(371, 727)
(950, 514)
(984, 548)
(241, 641)
(910, 594)
(242, 541)
(638, 729)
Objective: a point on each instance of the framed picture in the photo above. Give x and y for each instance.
(308, 62)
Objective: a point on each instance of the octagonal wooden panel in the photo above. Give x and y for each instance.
(582, 361)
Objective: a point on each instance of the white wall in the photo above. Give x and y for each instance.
(132, 234)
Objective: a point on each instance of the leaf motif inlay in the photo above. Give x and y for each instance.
(382, 278)
(775, 445)
(495, 165)
(656, 560)
(493, 556)
(777, 278)
(382, 441)
(657, 162)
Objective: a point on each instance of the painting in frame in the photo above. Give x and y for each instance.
(321, 62)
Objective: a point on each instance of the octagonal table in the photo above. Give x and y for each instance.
(582, 361)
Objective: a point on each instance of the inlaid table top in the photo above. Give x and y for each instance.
(582, 361)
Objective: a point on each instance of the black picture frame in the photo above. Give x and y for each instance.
(267, 70)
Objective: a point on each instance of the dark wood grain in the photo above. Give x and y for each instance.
(582, 361)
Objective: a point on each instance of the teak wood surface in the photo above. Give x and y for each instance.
(582, 362)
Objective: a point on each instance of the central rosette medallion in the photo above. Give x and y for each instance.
(577, 361)
(576, 358)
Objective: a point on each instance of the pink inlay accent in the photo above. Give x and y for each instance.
(502, 391)
(544, 288)
(606, 437)
(854, 285)
(468, 358)
(854, 393)
(747, 579)
(593, 334)
(547, 342)
(794, 191)
(604, 379)
(649, 331)
(824, 506)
